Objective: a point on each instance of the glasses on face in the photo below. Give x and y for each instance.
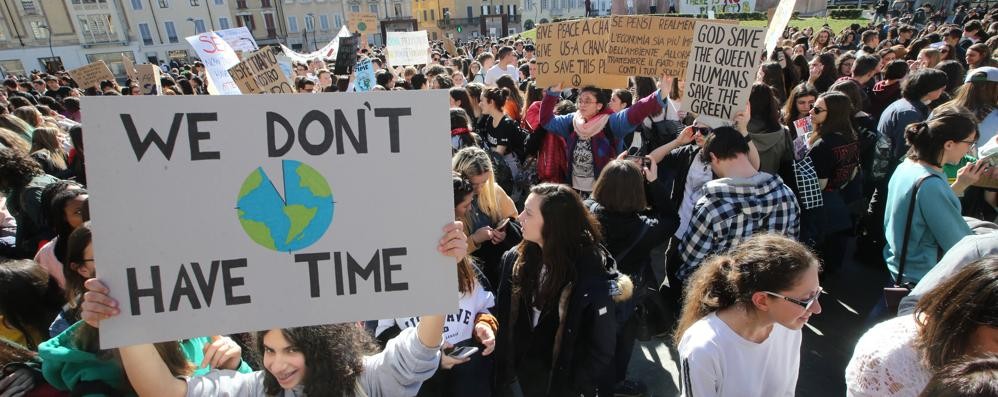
(817, 110)
(806, 304)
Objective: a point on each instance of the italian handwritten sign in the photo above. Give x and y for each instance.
(148, 79)
(278, 224)
(218, 57)
(650, 45)
(91, 75)
(260, 73)
(573, 53)
(724, 60)
(408, 48)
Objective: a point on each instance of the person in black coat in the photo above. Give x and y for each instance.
(555, 301)
(620, 202)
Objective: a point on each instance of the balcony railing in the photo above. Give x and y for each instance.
(474, 21)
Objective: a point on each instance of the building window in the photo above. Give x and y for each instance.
(471, 12)
(12, 67)
(339, 20)
(268, 22)
(96, 28)
(146, 34)
(38, 31)
(240, 4)
(309, 23)
(398, 9)
(199, 26)
(373, 7)
(223, 23)
(137, 5)
(355, 8)
(265, 4)
(164, 3)
(171, 32)
(29, 7)
(514, 10)
(433, 15)
(194, 3)
(324, 23)
(292, 24)
(220, 2)
(485, 10)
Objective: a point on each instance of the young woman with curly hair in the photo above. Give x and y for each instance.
(325, 360)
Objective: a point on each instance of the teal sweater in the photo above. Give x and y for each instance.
(64, 365)
(936, 224)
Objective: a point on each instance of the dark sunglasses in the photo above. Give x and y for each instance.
(818, 110)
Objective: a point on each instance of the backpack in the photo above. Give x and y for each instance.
(501, 171)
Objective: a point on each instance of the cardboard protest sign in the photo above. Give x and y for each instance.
(778, 23)
(277, 223)
(450, 47)
(218, 57)
(573, 53)
(703, 7)
(240, 39)
(723, 65)
(364, 23)
(148, 79)
(346, 55)
(91, 75)
(650, 45)
(364, 79)
(260, 73)
(408, 48)
(129, 66)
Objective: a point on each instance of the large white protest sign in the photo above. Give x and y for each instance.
(703, 7)
(240, 39)
(218, 57)
(408, 48)
(722, 67)
(778, 24)
(215, 215)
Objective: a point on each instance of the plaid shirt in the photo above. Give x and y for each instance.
(733, 210)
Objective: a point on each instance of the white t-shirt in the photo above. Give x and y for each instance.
(459, 325)
(885, 362)
(716, 361)
(495, 72)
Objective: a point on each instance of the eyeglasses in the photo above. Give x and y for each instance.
(818, 110)
(806, 304)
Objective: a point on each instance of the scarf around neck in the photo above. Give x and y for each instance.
(587, 129)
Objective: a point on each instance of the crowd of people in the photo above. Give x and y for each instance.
(874, 136)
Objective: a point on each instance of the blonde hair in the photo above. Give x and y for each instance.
(474, 161)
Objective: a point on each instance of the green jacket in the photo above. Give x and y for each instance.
(65, 366)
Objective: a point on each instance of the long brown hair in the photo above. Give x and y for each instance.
(838, 119)
(948, 315)
(46, 139)
(764, 262)
(568, 230)
(790, 113)
(621, 187)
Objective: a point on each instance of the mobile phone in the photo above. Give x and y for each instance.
(502, 225)
(633, 150)
(643, 161)
(462, 352)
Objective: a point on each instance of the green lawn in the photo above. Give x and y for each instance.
(816, 23)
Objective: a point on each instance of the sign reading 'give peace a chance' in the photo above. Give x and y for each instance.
(237, 213)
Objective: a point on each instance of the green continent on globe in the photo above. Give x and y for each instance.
(300, 217)
(252, 182)
(313, 181)
(258, 231)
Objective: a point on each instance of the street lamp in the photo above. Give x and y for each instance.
(49, 31)
(311, 22)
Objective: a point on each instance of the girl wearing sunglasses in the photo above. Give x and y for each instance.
(739, 334)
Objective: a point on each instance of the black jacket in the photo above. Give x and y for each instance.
(621, 229)
(678, 162)
(570, 352)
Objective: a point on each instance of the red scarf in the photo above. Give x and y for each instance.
(459, 131)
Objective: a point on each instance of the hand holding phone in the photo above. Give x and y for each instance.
(642, 161)
(502, 225)
(462, 352)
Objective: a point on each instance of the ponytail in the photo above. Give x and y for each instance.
(764, 262)
(927, 140)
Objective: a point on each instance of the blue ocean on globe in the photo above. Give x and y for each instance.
(293, 222)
